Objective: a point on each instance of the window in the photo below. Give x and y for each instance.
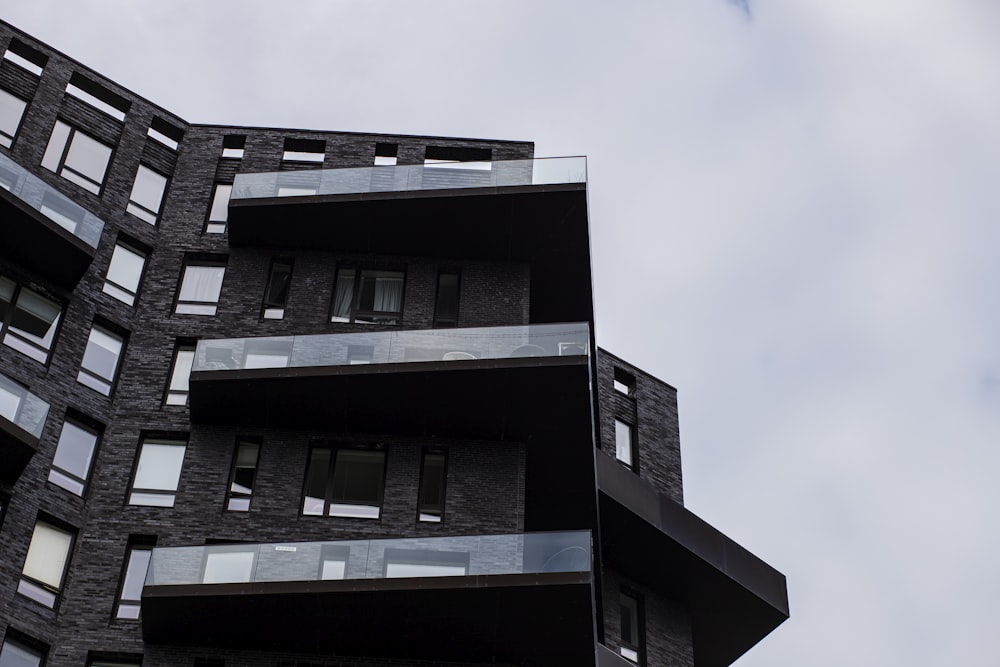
(479, 159)
(201, 285)
(97, 96)
(11, 112)
(304, 150)
(74, 456)
(424, 563)
(165, 133)
(633, 641)
(27, 57)
(430, 504)
(77, 157)
(624, 383)
(46, 563)
(101, 360)
(368, 296)
(180, 374)
(147, 194)
(233, 146)
(624, 442)
(28, 320)
(446, 304)
(137, 556)
(344, 482)
(229, 564)
(386, 154)
(276, 293)
(157, 472)
(218, 214)
(243, 475)
(17, 654)
(125, 273)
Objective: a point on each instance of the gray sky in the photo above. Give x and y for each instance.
(794, 221)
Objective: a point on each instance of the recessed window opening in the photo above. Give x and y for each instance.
(471, 158)
(165, 133)
(180, 374)
(243, 476)
(218, 213)
(125, 273)
(625, 443)
(624, 382)
(77, 157)
(46, 563)
(137, 557)
(304, 150)
(430, 504)
(276, 293)
(201, 286)
(233, 146)
(147, 195)
(157, 472)
(20, 652)
(98, 96)
(28, 320)
(368, 296)
(74, 456)
(633, 641)
(11, 113)
(101, 360)
(344, 482)
(386, 154)
(26, 57)
(446, 303)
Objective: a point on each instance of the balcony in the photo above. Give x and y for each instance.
(22, 418)
(507, 598)
(532, 211)
(491, 382)
(43, 230)
(735, 599)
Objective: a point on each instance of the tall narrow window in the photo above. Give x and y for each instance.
(368, 297)
(625, 443)
(430, 505)
(74, 456)
(633, 641)
(276, 293)
(137, 557)
(243, 475)
(11, 112)
(218, 213)
(77, 157)
(344, 482)
(180, 373)
(101, 360)
(28, 320)
(147, 194)
(201, 285)
(18, 654)
(125, 273)
(446, 304)
(46, 563)
(157, 473)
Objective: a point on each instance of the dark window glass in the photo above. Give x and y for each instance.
(633, 641)
(368, 296)
(243, 475)
(430, 506)
(624, 382)
(344, 482)
(446, 305)
(276, 292)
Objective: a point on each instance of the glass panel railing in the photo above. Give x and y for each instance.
(51, 203)
(389, 347)
(22, 408)
(409, 178)
(525, 553)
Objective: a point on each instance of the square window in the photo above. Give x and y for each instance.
(28, 320)
(624, 442)
(73, 458)
(46, 563)
(147, 194)
(633, 641)
(18, 654)
(386, 154)
(368, 296)
(344, 482)
(430, 504)
(180, 374)
(276, 293)
(77, 157)
(218, 213)
(11, 112)
(233, 146)
(157, 473)
(201, 285)
(101, 360)
(243, 475)
(125, 273)
(137, 558)
(624, 383)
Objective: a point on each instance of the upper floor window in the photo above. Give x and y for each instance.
(304, 150)
(157, 472)
(446, 303)
(201, 285)
(368, 296)
(218, 214)
(97, 96)
(180, 374)
(77, 157)
(46, 563)
(73, 458)
(137, 557)
(624, 383)
(147, 194)
(125, 273)
(11, 112)
(344, 482)
(625, 443)
(28, 320)
(243, 475)
(25, 56)
(233, 146)
(16, 654)
(276, 293)
(386, 154)
(101, 360)
(165, 133)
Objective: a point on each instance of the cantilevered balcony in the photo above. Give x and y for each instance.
(22, 418)
(735, 599)
(513, 599)
(492, 382)
(43, 230)
(532, 211)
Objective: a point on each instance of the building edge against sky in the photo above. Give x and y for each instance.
(293, 397)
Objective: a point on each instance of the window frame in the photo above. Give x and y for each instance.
(632, 462)
(7, 140)
(141, 210)
(43, 592)
(356, 314)
(231, 494)
(70, 478)
(194, 307)
(57, 164)
(444, 322)
(136, 543)
(172, 391)
(218, 225)
(21, 343)
(422, 515)
(91, 374)
(623, 383)
(274, 309)
(639, 620)
(110, 287)
(147, 493)
(24, 644)
(329, 502)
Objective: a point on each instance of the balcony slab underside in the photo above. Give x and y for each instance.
(43, 248)
(734, 598)
(543, 225)
(529, 619)
(493, 399)
(17, 446)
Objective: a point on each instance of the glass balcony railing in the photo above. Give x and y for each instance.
(390, 347)
(527, 553)
(51, 203)
(22, 408)
(410, 178)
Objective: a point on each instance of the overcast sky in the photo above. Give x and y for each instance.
(794, 220)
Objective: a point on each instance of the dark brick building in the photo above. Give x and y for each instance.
(294, 397)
